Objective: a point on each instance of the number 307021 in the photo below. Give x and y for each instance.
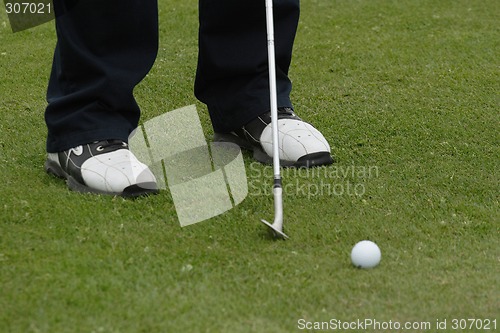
(28, 8)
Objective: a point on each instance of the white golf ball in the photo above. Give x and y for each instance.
(365, 254)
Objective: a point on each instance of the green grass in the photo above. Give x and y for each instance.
(407, 88)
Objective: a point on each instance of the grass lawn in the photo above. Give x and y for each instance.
(406, 92)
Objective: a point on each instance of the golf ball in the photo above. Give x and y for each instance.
(365, 254)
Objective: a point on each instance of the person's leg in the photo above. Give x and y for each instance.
(233, 80)
(232, 76)
(104, 49)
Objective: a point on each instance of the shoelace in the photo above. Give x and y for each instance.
(253, 130)
(110, 145)
(285, 112)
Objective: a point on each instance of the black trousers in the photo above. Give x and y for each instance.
(105, 48)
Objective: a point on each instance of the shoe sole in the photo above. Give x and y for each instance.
(307, 161)
(132, 191)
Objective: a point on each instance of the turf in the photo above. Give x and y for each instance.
(407, 94)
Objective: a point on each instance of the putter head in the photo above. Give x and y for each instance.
(275, 230)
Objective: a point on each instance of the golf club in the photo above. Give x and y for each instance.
(276, 227)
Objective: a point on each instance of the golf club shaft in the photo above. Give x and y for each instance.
(273, 90)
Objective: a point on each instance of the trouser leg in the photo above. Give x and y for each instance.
(232, 76)
(104, 49)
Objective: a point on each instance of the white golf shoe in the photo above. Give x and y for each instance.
(300, 144)
(103, 167)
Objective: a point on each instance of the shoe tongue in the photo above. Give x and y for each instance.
(285, 113)
(111, 145)
(253, 130)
